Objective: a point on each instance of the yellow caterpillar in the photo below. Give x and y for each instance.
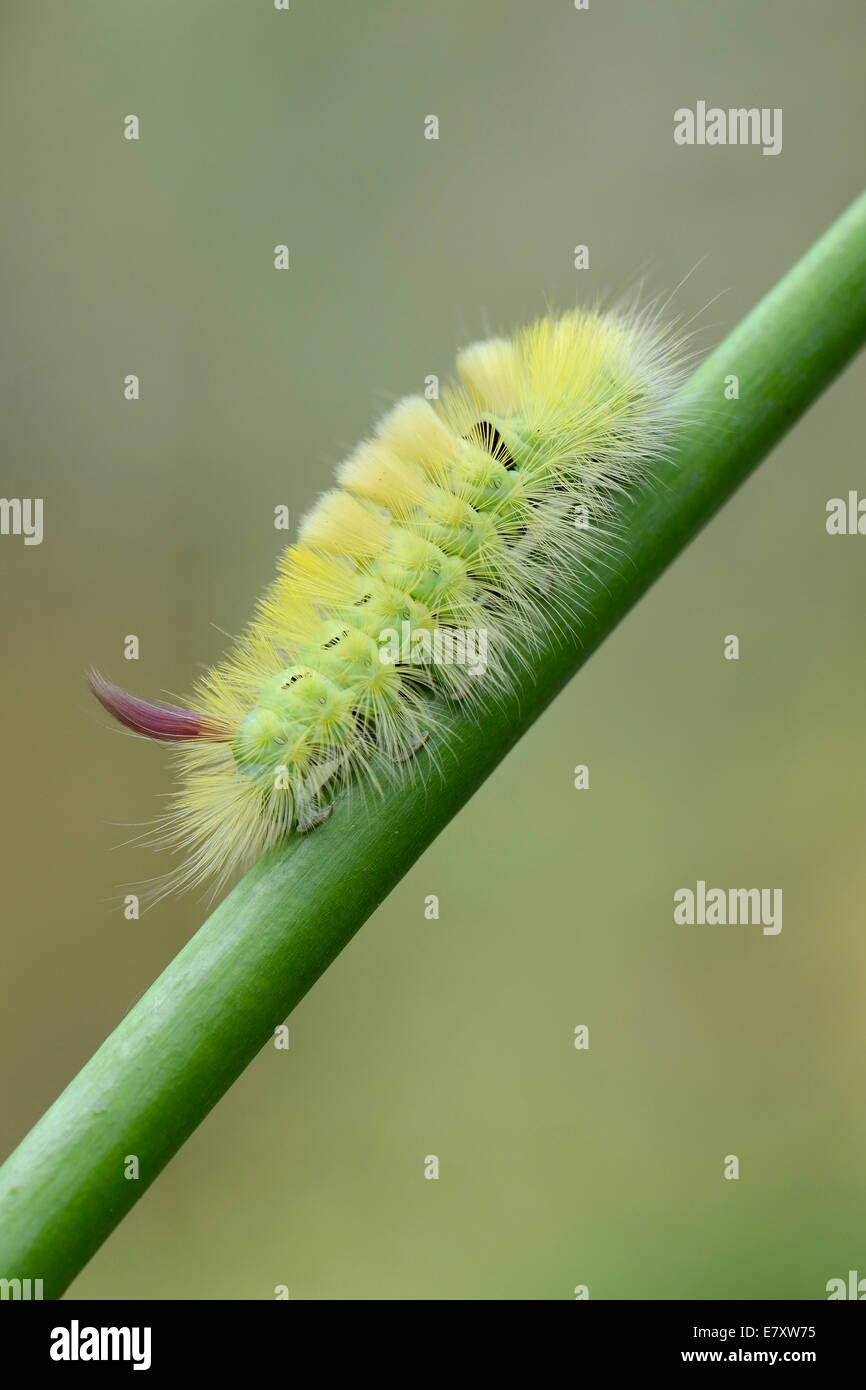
(413, 578)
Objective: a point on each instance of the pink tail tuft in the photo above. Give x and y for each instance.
(167, 722)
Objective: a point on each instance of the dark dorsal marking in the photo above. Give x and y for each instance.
(490, 439)
(298, 676)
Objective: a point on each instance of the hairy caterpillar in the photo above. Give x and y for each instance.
(454, 519)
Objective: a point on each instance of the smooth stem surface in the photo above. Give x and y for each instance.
(175, 1054)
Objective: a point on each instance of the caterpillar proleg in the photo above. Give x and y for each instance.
(412, 580)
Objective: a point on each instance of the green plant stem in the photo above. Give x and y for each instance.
(176, 1053)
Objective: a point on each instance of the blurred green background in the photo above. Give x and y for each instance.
(453, 1037)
